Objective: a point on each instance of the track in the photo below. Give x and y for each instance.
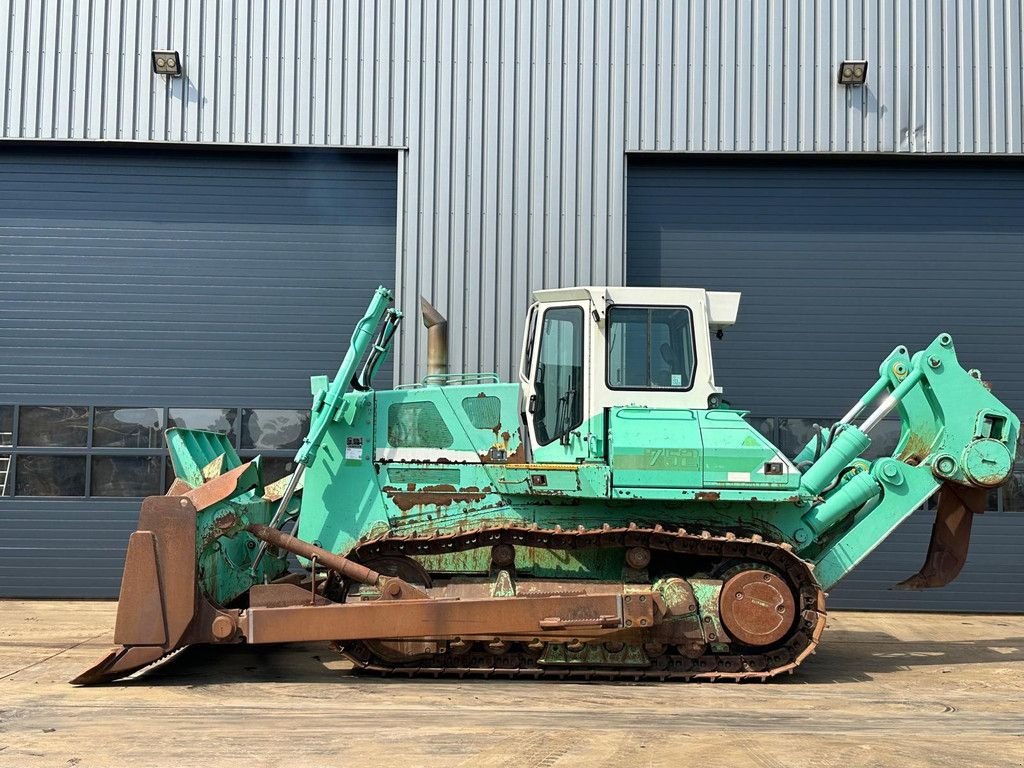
(735, 662)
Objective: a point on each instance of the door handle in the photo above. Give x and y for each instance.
(532, 406)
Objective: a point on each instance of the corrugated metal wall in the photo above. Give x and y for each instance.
(517, 114)
(133, 276)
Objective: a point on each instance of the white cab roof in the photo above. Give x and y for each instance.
(722, 306)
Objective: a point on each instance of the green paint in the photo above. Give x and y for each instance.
(224, 551)
(446, 456)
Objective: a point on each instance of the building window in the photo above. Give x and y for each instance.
(48, 475)
(119, 451)
(128, 428)
(209, 419)
(53, 426)
(276, 467)
(6, 426)
(6, 441)
(130, 476)
(273, 429)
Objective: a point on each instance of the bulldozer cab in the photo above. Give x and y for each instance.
(588, 350)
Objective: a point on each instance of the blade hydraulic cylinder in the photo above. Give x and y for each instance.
(325, 411)
(337, 563)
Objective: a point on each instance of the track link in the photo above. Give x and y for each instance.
(517, 662)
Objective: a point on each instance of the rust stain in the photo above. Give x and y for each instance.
(708, 496)
(915, 451)
(517, 457)
(437, 495)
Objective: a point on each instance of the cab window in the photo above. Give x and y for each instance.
(557, 403)
(531, 328)
(650, 348)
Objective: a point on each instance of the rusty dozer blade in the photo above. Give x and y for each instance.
(951, 537)
(158, 600)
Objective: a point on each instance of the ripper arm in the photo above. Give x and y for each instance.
(955, 436)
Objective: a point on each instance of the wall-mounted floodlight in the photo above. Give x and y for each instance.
(167, 63)
(853, 72)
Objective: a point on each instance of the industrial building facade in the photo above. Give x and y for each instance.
(187, 250)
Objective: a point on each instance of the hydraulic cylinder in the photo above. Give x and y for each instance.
(846, 446)
(848, 497)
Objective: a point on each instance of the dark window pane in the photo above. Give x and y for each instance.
(276, 467)
(650, 348)
(794, 434)
(125, 475)
(884, 438)
(1013, 493)
(209, 419)
(558, 399)
(531, 327)
(128, 427)
(53, 425)
(5, 474)
(50, 476)
(766, 426)
(265, 429)
(6, 425)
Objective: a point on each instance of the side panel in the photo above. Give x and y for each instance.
(341, 498)
(655, 448)
(738, 456)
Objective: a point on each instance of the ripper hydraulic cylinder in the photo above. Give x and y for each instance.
(847, 445)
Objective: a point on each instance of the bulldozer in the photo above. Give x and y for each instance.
(606, 516)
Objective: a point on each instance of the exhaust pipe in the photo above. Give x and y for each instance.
(437, 339)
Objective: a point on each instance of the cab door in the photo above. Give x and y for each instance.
(556, 396)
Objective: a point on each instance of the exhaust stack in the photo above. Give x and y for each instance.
(437, 339)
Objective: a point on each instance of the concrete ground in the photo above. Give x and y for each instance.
(885, 689)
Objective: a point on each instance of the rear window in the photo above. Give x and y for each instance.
(650, 348)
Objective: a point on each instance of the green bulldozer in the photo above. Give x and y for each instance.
(606, 516)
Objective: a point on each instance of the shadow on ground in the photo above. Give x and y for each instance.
(844, 657)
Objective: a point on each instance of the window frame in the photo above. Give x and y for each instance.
(538, 350)
(608, 348)
(89, 451)
(529, 341)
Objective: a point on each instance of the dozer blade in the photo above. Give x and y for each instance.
(158, 599)
(951, 537)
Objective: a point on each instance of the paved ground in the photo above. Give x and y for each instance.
(885, 689)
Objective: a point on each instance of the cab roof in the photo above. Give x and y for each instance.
(722, 306)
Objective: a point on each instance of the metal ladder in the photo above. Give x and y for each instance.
(5, 463)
